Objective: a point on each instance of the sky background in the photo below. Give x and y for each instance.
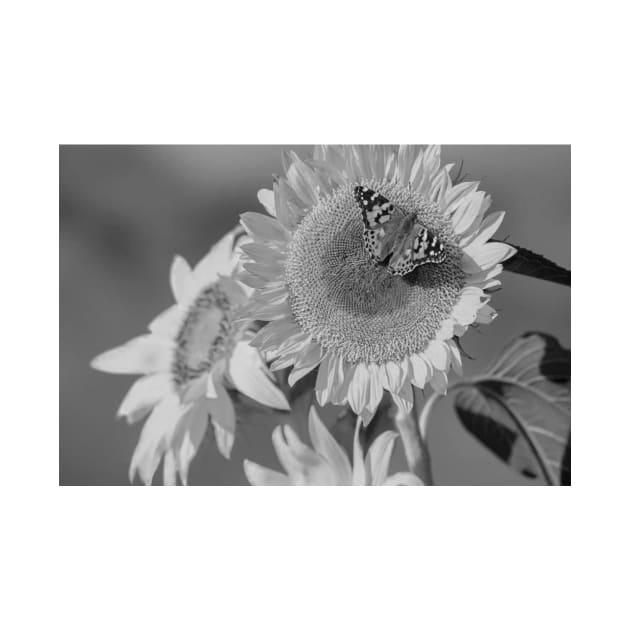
(126, 211)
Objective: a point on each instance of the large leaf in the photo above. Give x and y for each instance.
(528, 263)
(520, 409)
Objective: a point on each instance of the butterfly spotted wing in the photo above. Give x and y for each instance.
(394, 237)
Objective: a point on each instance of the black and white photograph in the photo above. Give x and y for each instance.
(315, 315)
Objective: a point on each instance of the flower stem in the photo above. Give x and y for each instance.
(414, 436)
(423, 419)
(416, 450)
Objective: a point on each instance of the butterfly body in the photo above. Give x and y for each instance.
(394, 237)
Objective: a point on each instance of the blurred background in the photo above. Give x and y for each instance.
(125, 211)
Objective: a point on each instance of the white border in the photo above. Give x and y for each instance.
(272, 72)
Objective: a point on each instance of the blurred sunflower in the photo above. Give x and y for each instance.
(330, 307)
(194, 350)
(328, 464)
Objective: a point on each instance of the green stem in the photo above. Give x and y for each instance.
(423, 419)
(414, 438)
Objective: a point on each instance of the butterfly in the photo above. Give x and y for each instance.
(395, 237)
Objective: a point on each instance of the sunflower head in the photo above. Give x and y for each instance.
(194, 353)
(355, 307)
(331, 306)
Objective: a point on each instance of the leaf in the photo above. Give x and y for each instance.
(529, 263)
(520, 409)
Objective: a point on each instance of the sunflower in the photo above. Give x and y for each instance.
(193, 352)
(330, 307)
(327, 463)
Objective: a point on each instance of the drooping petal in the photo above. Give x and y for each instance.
(308, 360)
(144, 394)
(419, 370)
(358, 390)
(437, 353)
(327, 447)
(395, 376)
(260, 476)
(365, 416)
(375, 393)
(223, 420)
(323, 385)
(248, 373)
(379, 456)
(155, 438)
(142, 355)
(439, 382)
(188, 436)
(337, 379)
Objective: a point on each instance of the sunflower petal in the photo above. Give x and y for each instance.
(181, 280)
(379, 456)
(144, 394)
(146, 354)
(327, 447)
(247, 371)
(261, 476)
(266, 198)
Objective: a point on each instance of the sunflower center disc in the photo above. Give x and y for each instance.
(356, 308)
(204, 337)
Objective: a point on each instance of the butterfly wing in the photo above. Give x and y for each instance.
(419, 247)
(391, 233)
(381, 220)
